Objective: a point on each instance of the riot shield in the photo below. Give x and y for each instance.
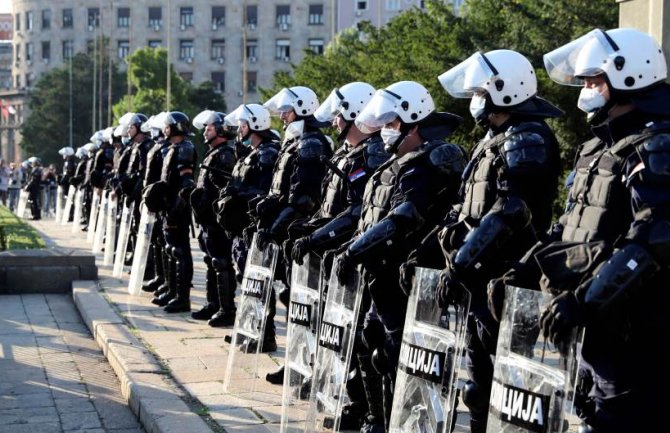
(60, 202)
(23, 202)
(337, 332)
(67, 208)
(242, 372)
(101, 223)
(301, 342)
(78, 207)
(110, 230)
(144, 230)
(122, 242)
(532, 382)
(430, 354)
(93, 216)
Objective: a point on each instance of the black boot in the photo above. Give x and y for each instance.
(168, 290)
(182, 302)
(276, 377)
(212, 304)
(158, 279)
(373, 422)
(225, 287)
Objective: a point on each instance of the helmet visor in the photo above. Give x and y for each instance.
(464, 79)
(146, 126)
(580, 58)
(283, 101)
(205, 118)
(383, 108)
(333, 105)
(120, 131)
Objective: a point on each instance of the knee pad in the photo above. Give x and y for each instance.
(208, 260)
(380, 362)
(178, 253)
(474, 398)
(374, 334)
(220, 265)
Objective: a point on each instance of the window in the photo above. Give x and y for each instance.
(18, 52)
(283, 16)
(252, 50)
(68, 49)
(46, 50)
(316, 45)
(252, 81)
(18, 80)
(392, 5)
(186, 76)
(123, 49)
(29, 51)
(315, 15)
(218, 17)
(186, 50)
(68, 21)
(93, 18)
(123, 17)
(46, 19)
(186, 17)
(155, 17)
(252, 16)
(283, 50)
(155, 43)
(17, 22)
(90, 46)
(219, 80)
(218, 49)
(29, 79)
(29, 20)
(362, 5)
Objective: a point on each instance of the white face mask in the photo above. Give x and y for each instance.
(389, 137)
(477, 106)
(590, 100)
(295, 129)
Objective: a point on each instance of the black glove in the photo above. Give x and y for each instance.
(300, 249)
(265, 205)
(407, 270)
(248, 234)
(562, 316)
(448, 288)
(264, 238)
(344, 267)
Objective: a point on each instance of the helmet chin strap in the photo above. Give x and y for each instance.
(404, 130)
(343, 135)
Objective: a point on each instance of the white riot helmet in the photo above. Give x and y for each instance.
(505, 75)
(255, 115)
(347, 101)
(408, 100)
(300, 99)
(81, 153)
(154, 125)
(98, 137)
(66, 151)
(632, 60)
(91, 148)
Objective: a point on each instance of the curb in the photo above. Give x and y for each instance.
(145, 385)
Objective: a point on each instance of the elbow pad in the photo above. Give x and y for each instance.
(338, 229)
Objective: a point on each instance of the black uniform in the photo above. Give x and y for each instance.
(33, 186)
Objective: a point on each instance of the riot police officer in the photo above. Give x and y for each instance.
(215, 172)
(295, 191)
(33, 186)
(512, 176)
(67, 174)
(403, 199)
(170, 196)
(619, 191)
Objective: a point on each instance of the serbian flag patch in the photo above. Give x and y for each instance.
(356, 174)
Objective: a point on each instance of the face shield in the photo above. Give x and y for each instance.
(205, 118)
(331, 107)
(382, 109)
(464, 79)
(583, 57)
(283, 101)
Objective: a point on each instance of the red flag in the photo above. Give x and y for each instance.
(3, 109)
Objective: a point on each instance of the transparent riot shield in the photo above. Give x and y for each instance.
(430, 354)
(301, 343)
(337, 332)
(93, 216)
(60, 202)
(532, 381)
(101, 223)
(78, 208)
(144, 230)
(67, 207)
(23, 202)
(110, 230)
(122, 242)
(252, 308)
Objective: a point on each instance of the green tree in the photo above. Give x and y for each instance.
(47, 129)
(148, 79)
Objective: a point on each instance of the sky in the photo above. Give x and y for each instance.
(5, 6)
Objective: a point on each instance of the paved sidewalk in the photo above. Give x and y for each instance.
(53, 376)
(190, 355)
